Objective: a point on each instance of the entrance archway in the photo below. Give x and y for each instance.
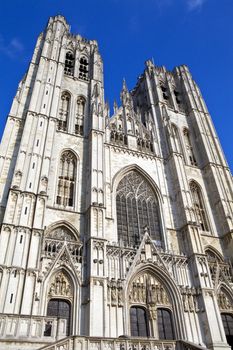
(151, 308)
(60, 300)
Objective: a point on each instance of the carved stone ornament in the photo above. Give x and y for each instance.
(146, 289)
(190, 299)
(61, 233)
(224, 301)
(60, 286)
(115, 293)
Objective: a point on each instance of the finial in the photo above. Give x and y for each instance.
(115, 107)
(124, 87)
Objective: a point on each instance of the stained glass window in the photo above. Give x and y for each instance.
(137, 209)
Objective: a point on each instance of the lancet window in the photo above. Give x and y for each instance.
(80, 110)
(69, 63)
(198, 206)
(137, 210)
(83, 68)
(66, 179)
(64, 111)
(164, 90)
(189, 148)
(176, 139)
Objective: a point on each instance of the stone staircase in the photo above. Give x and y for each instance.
(121, 343)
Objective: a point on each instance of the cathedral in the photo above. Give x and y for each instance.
(116, 230)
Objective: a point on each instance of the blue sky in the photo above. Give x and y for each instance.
(198, 33)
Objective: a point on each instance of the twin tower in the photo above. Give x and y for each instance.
(116, 233)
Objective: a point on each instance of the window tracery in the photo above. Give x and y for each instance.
(198, 206)
(54, 241)
(66, 179)
(176, 139)
(224, 301)
(80, 115)
(83, 68)
(189, 149)
(137, 208)
(69, 64)
(218, 267)
(64, 111)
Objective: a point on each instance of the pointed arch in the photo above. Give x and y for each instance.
(170, 297)
(176, 138)
(60, 298)
(137, 207)
(64, 110)
(198, 205)
(69, 228)
(189, 148)
(67, 174)
(80, 113)
(69, 63)
(213, 255)
(225, 298)
(68, 268)
(122, 172)
(83, 67)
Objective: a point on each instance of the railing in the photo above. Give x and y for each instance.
(34, 328)
(49, 330)
(93, 343)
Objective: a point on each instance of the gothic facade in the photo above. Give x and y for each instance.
(116, 233)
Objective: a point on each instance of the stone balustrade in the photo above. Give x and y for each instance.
(93, 343)
(34, 328)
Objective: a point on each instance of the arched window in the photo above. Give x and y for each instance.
(69, 63)
(189, 148)
(66, 179)
(165, 328)
(227, 320)
(80, 115)
(176, 139)
(137, 210)
(64, 111)
(164, 90)
(198, 206)
(83, 68)
(138, 322)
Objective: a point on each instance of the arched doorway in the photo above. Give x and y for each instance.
(150, 308)
(225, 303)
(60, 301)
(60, 308)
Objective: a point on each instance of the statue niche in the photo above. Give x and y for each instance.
(146, 289)
(60, 286)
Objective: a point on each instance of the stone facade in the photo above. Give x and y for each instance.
(112, 227)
